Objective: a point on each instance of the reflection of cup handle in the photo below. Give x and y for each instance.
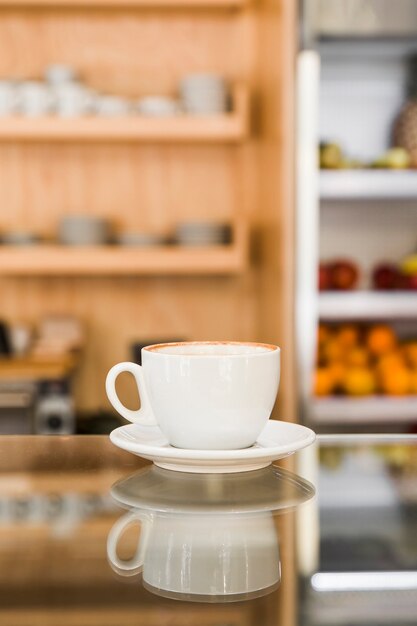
(144, 415)
(134, 565)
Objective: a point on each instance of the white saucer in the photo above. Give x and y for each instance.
(276, 441)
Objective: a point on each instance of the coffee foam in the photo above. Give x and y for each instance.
(211, 348)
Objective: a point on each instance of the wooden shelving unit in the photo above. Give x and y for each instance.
(54, 260)
(126, 4)
(37, 368)
(230, 127)
(144, 174)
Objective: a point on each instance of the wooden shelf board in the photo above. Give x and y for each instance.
(368, 305)
(369, 410)
(368, 184)
(125, 4)
(55, 260)
(229, 127)
(36, 368)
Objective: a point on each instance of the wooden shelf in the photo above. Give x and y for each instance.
(368, 305)
(37, 368)
(125, 4)
(230, 127)
(368, 184)
(55, 260)
(368, 410)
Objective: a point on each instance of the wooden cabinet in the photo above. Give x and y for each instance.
(152, 174)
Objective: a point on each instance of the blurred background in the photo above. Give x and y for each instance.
(357, 273)
(193, 170)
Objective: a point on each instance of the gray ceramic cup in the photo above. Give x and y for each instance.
(83, 230)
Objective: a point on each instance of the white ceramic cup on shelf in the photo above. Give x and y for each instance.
(60, 74)
(204, 94)
(73, 100)
(35, 99)
(203, 395)
(8, 97)
(112, 106)
(218, 556)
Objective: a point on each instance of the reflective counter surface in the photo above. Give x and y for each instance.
(90, 535)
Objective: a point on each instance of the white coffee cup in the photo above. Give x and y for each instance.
(35, 99)
(217, 556)
(203, 395)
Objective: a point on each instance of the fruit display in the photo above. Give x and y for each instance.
(339, 274)
(389, 276)
(393, 159)
(360, 360)
(344, 274)
(332, 157)
(405, 126)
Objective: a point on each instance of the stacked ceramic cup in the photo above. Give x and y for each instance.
(71, 97)
(202, 233)
(204, 94)
(83, 230)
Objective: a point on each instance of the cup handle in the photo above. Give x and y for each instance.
(134, 565)
(144, 415)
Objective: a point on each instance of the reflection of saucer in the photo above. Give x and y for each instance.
(276, 441)
(160, 490)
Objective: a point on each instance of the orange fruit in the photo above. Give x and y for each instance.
(390, 361)
(332, 350)
(413, 381)
(410, 352)
(397, 382)
(323, 382)
(381, 339)
(348, 335)
(323, 333)
(359, 381)
(357, 357)
(337, 371)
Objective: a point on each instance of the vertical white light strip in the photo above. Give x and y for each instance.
(307, 224)
(307, 520)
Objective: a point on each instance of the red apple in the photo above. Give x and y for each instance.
(386, 276)
(344, 274)
(324, 277)
(404, 281)
(412, 282)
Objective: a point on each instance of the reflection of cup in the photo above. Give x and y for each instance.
(203, 395)
(35, 99)
(218, 557)
(8, 97)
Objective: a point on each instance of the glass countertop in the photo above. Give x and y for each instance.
(93, 535)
